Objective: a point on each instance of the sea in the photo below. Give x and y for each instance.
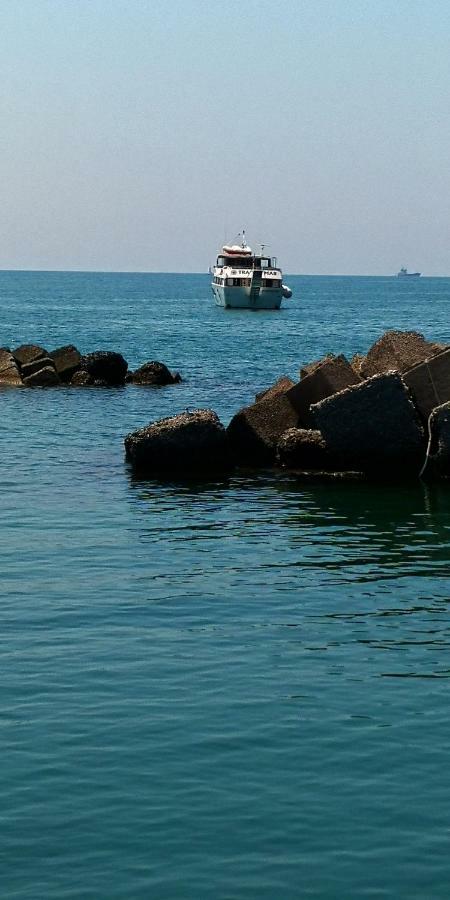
(215, 690)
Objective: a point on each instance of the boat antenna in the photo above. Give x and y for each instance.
(243, 239)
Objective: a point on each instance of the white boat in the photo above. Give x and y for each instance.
(246, 280)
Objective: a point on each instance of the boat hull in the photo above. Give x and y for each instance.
(243, 298)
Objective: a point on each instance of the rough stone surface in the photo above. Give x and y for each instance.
(280, 387)
(81, 378)
(27, 353)
(255, 430)
(333, 375)
(153, 373)
(397, 350)
(429, 383)
(192, 442)
(105, 366)
(9, 372)
(373, 427)
(35, 366)
(311, 367)
(302, 448)
(356, 362)
(437, 464)
(46, 377)
(66, 361)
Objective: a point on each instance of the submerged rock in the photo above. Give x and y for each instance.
(153, 373)
(105, 367)
(189, 443)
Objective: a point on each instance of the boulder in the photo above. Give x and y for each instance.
(35, 366)
(356, 363)
(302, 448)
(28, 353)
(9, 372)
(373, 427)
(437, 463)
(429, 383)
(105, 366)
(45, 377)
(66, 361)
(399, 350)
(254, 431)
(330, 376)
(189, 443)
(280, 387)
(153, 373)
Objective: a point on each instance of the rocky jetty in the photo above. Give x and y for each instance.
(384, 415)
(31, 365)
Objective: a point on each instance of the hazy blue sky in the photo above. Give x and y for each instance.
(135, 135)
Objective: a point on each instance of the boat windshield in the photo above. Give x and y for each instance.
(237, 262)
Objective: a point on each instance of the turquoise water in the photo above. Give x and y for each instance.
(234, 690)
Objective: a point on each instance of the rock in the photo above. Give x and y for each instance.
(301, 448)
(330, 376)
(356, 363)
(311, 367)
(429, 383)
(82, 378)
(46, 377)
(437, 463)
(105, 366)
(66, 361)
(35, 366)
(153, 373)
(280, 387)
(254, 431)
(399, 350)
(373, 427)
(9, 372)
(189, 443)
(28, 353)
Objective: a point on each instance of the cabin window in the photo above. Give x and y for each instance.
(268, 282)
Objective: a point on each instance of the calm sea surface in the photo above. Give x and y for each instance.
(236, 690)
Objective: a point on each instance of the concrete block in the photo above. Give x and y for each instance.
(397, 350)
(373, 427)
(429, 383)
(331, 376)
(255, 430)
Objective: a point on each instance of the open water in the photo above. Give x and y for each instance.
(236, 690)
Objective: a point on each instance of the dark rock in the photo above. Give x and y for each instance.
(332, 375)
(153, 373)
(35, 366)
(397, 350)
(373, 427)
(302, 448)
(105, 366)
(280, 387)
(192, 442)
(28, 353)
(46, 377)
(81, 378)
(66, 361)
(437, 463)
(255, 430)
(429, 383)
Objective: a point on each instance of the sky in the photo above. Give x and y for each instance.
(139, 135)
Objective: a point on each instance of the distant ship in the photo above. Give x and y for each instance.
(405, 274)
